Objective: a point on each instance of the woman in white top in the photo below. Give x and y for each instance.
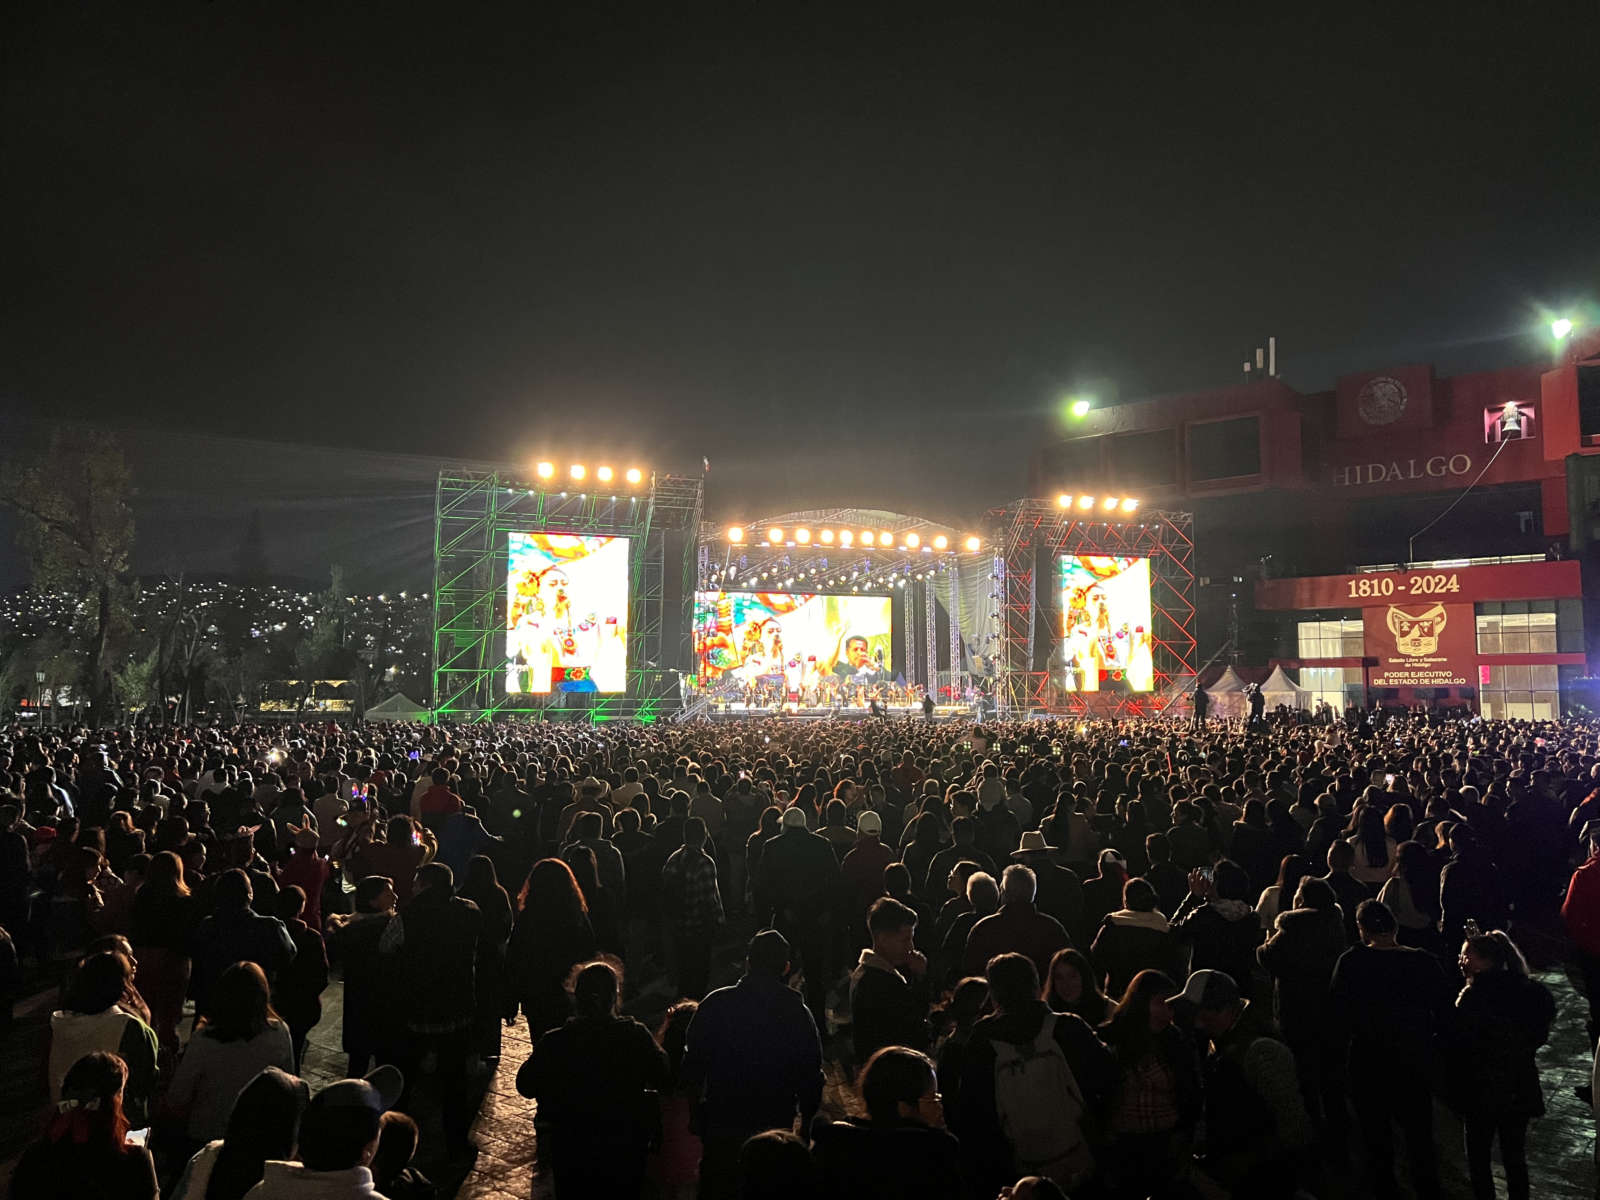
(1375, 849)
(1291, 871)
(238, 1037)
(1412, 894)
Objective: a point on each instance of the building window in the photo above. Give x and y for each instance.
(1142, 460)
(1517, 627)
(1341, 687)
(1072, 464)
(1340, 638)
(1228, 449)
(1526, 693)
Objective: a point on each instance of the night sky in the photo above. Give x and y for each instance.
(849, 256)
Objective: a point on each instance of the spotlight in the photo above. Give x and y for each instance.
(1130, 505)
(826, 537)
(1085, 502)
(603, 474)
(1080, 407)
(803, 536)
(1560, 328)
(1109, 503)
(940, 542)
(774, 534)
(545, 470)
(973, 543)
(735, 534)
(868, 538)
(634, 475)
(577, 472)
(846, 537)
(886, 538)
(1064, 500)
(913, 541)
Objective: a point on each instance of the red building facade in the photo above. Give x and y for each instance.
(1299, 498)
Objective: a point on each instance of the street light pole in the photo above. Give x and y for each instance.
(38, 679)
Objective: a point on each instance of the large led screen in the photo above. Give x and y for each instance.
(1105, 614)
(566, 613)
(792, 639)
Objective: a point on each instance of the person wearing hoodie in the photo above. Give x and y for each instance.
(593, 1078)
(1300, 956)
(1502, 1017)
(889, 986)
(1137, 937)
(902, 1147)
(92, 1020)
(1217, 923)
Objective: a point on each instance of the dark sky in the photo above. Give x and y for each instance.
(849, 256)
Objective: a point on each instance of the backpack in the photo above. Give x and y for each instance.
(1040, 1105)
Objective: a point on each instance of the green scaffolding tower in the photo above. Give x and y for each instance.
(476, 511)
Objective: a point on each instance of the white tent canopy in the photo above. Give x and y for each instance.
(1280, 689)
(1227, 695)
(397, 708)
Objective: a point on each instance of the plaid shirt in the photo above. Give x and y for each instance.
(689, 887)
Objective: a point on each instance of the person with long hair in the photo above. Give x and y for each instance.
(552, 935)
(1279, 897)
(1412, 894)
(238, 1036)
(593, 1077)
(1158, 1100)
(1375, 849)
(604, 904)
(482, 887)
(1071, 986)
(1502, 1017)
(85, 1149)
(92, 1018)
(264, 1124)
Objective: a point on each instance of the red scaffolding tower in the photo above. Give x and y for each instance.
(1028, 537)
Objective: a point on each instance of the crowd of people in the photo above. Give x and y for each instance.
(1041, 959)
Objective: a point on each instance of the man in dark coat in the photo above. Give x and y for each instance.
(435, 941)
(235, 933)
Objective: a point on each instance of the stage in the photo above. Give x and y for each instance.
(738, 711)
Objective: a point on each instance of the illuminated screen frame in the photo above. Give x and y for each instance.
(733, 632)
(566, 613)
(1105, 628)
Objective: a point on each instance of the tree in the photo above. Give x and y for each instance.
(135, 681)
(76, 529)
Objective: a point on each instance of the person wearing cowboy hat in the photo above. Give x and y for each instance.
(1058, 892)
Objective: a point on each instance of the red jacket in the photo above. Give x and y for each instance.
(1581, 909)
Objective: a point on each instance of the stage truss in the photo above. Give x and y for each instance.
(914, 579)
(1027, 536)
(474, 513)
